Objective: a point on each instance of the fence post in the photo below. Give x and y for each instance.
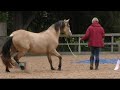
(112, 43)
(79, 48)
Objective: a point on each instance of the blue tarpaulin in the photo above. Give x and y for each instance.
(102, 61)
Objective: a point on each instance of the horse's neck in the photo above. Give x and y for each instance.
(54, 32)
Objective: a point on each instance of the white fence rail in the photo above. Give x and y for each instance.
(110, 44)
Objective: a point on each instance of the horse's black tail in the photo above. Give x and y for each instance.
(6, 57)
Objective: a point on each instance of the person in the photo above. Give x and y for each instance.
(95, 35)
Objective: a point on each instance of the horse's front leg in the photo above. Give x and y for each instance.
(50, 61)
(60, 58)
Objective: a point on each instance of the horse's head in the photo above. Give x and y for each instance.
(64, 27)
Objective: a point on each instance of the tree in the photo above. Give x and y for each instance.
(20, 19)
(37, 21)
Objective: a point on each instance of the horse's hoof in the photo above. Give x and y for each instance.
(52, 68)
(59, 69)
(7, 71)
(22, 67)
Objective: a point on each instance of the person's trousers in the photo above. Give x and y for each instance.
(94, 56)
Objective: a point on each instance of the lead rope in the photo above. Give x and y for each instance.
(71, 49)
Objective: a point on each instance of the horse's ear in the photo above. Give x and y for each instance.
(66, 20)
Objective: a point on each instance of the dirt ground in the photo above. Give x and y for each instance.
(38, 68)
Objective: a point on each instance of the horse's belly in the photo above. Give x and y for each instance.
(42, 48)
(38, 51)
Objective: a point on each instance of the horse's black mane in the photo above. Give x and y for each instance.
(59, 25)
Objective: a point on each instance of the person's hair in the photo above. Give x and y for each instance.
(95, 19)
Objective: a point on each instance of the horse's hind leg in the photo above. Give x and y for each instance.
(50, 61)
(17, 58)
(7, 69)
(60, 58)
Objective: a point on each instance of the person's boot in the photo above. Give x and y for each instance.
(96, 64)
(91, 62)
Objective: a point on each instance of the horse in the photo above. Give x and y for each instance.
(22, 41)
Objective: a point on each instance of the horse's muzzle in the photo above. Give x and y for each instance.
(68, 36)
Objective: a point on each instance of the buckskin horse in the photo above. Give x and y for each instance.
(45, 42)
